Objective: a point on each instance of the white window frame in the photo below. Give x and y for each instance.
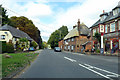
(111, 28)
(3, 37)
(72, 47)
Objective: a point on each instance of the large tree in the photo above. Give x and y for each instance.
(28, 27)
(57, 35)
(5, 19)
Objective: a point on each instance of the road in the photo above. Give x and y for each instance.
(50, 64)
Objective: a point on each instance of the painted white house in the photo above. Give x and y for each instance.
(9, 33)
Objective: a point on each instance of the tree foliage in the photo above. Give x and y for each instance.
(28, 27)
(57, 35)
(5, 19)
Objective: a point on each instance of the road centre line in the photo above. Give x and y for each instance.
(89, 67)
(95, 72)
(102, 70)
(72, 60)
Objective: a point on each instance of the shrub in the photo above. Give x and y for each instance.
(34, 44)
(10, 48)
(3, 44)
(97, 51)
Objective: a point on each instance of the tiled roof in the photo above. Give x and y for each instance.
(108, 18)
(15, 32)
(74, 32)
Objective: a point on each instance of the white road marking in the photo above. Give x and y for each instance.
(111, 75)
(102, 70)
(96, 72)
(70, 59)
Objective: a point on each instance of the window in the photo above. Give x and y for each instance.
(94, 31)
(72, 39)
(112, 27)
(68, 47)
(68, 40)
(72, 47)
(106, 28)
(15, 39)
(2, 36)
(115, 12)
(119, 24)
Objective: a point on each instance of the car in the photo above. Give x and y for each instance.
(57, 49)
(31, 49)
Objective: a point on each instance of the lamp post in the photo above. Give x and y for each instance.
(101, 28)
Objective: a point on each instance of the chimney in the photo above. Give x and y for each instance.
(103, 11)
(78, 26)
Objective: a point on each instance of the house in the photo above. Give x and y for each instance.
(111, 22)
(11, 34)
(75, 38)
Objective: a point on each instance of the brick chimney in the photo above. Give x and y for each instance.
(78, 26)
(103, 11)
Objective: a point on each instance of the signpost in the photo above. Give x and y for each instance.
(101, 28)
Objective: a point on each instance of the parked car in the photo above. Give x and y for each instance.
(31, 49)
(57, 49)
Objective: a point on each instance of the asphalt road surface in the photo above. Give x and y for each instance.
(50, 64)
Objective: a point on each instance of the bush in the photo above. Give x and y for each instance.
(3, 46)
(97, 51)
(10, 48)
(34, 44)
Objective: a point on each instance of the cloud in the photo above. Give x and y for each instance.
(87, 11)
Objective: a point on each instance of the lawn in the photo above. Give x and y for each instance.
(16, 62)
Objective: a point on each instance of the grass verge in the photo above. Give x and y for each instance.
(16, 62)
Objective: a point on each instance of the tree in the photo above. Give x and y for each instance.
(55, 36)
(28, 27)
(5, 19)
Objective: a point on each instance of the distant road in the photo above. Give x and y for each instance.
(50, 64)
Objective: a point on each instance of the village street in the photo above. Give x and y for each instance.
(50, 64)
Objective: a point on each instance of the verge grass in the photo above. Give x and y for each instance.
(16, 62)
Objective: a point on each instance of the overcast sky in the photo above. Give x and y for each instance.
(49, 15)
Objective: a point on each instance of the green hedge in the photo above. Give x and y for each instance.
(3, 46)
(6, 47)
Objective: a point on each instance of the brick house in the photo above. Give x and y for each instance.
(73, 41)
(111, 22)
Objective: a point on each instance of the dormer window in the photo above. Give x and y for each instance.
(115, 12)
(103, 16)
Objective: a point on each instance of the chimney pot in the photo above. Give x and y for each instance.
(103, 11)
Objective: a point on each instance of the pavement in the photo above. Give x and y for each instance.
(50, 64)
